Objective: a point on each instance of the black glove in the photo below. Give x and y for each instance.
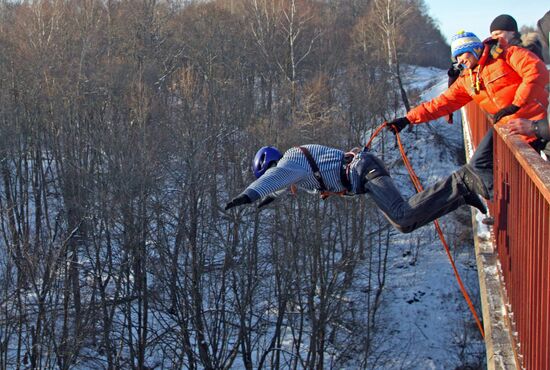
(398, 124)
(265, 201)
(506, 111)
(238, 201)
(453, 72)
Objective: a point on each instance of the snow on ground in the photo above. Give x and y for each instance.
(429, 325)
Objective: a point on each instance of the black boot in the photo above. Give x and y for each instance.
(472, 181)
(472, 199)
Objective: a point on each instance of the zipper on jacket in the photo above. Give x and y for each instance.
(496, 78)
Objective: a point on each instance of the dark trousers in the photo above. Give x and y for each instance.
(435, 201)
(407, 215)
(482, 161)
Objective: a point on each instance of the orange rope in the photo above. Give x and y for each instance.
(419, 188)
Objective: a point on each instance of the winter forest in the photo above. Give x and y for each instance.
(126, 125)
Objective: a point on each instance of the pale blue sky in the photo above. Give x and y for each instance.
(476, 15)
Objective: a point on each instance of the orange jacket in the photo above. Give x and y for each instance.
(516, 76)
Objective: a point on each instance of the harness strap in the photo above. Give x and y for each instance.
(314, 168)
(344, 171)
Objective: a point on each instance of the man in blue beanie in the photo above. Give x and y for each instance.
(505, 81)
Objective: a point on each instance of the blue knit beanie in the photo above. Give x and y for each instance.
(464, 42)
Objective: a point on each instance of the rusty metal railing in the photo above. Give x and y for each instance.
(521, 234)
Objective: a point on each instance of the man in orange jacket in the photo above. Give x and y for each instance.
(504, 80)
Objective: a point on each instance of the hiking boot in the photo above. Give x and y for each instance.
(474, 200)
(472, 181)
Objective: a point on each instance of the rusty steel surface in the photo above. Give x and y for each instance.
(521, 209)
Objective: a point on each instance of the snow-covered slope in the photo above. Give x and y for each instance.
(429, 325)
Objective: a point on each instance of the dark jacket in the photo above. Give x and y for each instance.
(529, 41)
(543, 26)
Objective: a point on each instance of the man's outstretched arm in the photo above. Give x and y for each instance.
(269, 186)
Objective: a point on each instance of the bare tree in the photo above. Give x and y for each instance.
(387, 17)
(126, 125)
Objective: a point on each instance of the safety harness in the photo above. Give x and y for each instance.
(325, 193)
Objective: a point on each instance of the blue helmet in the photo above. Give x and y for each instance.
(263, 159)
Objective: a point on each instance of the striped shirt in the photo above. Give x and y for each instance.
(293, 168)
